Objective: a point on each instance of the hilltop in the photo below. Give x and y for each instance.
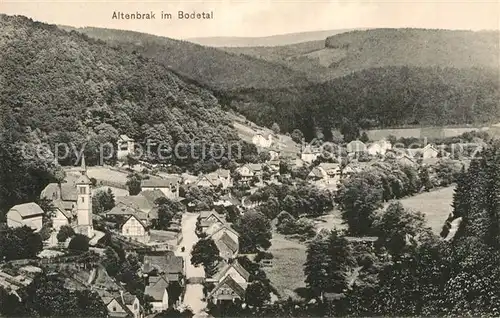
(60, 86)
(211, 67)
(266, 41)
(341, 54)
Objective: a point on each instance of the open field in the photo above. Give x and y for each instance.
(287, 271)
(102, 174)
(435, 205)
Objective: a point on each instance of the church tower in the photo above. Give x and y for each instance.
(84, 203)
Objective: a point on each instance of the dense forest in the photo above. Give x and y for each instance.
(209, 66)
(380, 97)
(59, 87)
(373, 78)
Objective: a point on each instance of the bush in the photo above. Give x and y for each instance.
(79, 243)
(65, 232)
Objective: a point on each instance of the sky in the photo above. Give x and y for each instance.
(255, 18)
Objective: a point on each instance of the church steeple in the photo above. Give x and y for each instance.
(83, 167)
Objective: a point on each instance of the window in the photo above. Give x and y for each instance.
(114, 308)
(83, 199)
(83, 190)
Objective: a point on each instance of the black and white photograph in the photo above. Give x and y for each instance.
(249, 158)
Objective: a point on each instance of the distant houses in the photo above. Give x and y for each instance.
(169, 186)
(263, 139)
(125, 146)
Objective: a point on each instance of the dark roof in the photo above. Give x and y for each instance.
(152, 195)
(236, 265)
(164, 262)
(231, 283)
(64, 208)
(229, 242)
(156, 287)
(138, 202)
(121, 209)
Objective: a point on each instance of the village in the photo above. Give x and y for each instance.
(159, 222)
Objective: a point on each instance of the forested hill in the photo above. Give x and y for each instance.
(67, 85)
(344, 53)
(215, 68)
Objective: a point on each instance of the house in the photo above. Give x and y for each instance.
(227, 201)
(157, 290)
(429, 151)
(354, 167)
(379, 147)
(166, 264)
(310, 154)
(125, 146)
(356, 146)
(62, 216)
(228, 290)
(125, 305)
(274, 165)
(325, 173)
(207, 218)
(236, 271)
(152, 195)
(169, 186)
(226, 239)
(249, 171)
(274, 153)
(220, 177)
(134, 227)
(225, 177)
(126, 211)
(263, 139)
(29, 214)
(137, 202)
(406, 160)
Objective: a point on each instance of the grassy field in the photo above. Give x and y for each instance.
(435, 205)
(287, 271)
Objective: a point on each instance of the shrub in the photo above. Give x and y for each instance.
(79, 243)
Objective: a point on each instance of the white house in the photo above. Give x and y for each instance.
(61, 217)
(250, 170)
(355, 146)
(237, 273)
(310, 154)
(125, 146)
(29, 214)
(429, 151)
(157, 289)
(262, 139)
(169, 186)
(227, 290)
(133, 227)
(125, 305)
(379, 147)
(326, 173)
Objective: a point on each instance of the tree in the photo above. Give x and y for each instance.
(103, 201)
(275, 128)
(255, 232)
(328, 262)
(79, 243)
(206, 253)
(134, 183)
(19, 243)
(297, 136)
(10, 306)
(359, 197)
(65, 232)
(396, 226)
(167, 210)
(257, 294)
(364, 137)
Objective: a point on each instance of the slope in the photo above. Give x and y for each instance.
(266, 41)
(67, 88)
(214, 68)
(348, 52)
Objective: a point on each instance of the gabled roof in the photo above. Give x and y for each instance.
(152, 195)
(137, 202)
(125, 138)
(137, 218)
(122, 209)
(231, 283)
(204, 222)
(212, 178)
(216, 227)
(329, 166)
(156, 288)
(356, 145)
(236, 265)
(64, 208)
(28, 210)
(317, 172)
(229, 242)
